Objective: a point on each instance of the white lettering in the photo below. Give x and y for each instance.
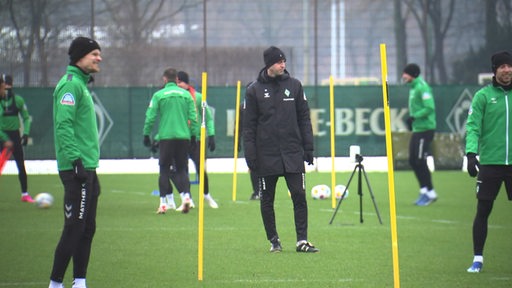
(317, 121)
(230, 123)
(344, 121)
(82, 202)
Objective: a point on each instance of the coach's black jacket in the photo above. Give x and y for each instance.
(277, 127)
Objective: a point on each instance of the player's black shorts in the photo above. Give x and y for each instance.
(490, 178)
(174, 152)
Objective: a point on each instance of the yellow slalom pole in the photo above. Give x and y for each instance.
(235, 148)
(201, 181)
(389, 153)
(333, 146)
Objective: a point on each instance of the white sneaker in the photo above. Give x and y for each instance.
(54, 284)
(170, 206)
(161, 209)
(185, 205)
(210, 201)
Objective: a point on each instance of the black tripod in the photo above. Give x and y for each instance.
(359, 167)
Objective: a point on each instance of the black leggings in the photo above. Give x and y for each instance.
(80, 204)
(19, 158)
(418, 150)
(483, 210)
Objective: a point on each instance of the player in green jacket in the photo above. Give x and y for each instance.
(489, 134)
(77, 150)
(194, 154)
(177, 128)
(422, 122)
(13, 106)
(5, 142)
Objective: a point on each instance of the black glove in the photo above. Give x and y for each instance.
(147, 141)
(473, 164)
(24, 140)
(154, 147)
(211, 143)
(193, 143)
(252, 164)
(409, 123)
(79, 170)
(308, 157)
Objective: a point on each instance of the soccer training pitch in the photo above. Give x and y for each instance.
(134, 247)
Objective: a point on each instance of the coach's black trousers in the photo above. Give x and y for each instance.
(296, 186)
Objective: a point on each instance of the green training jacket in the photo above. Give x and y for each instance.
(422, 106)
(13, 106)
(209, 124)
(74, 119)
(3, 136)
(488, 126)
(175, 107)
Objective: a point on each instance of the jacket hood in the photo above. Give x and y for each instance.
(264, 78)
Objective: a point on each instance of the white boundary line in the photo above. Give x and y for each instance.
(215, 165)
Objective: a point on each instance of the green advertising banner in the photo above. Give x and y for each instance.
(358, 118)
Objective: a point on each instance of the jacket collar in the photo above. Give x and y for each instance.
(76, 71)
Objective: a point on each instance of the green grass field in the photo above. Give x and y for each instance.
(134, 247)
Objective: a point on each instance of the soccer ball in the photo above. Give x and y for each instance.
(320, 192)
(43, 200)
(338, 191)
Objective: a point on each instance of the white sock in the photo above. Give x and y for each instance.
(79, 283)
(170, 198)
(301, 242)
(432, 194)
(207, 196)
(54, 284)
(162, 201)
(478, 258)
(423, 190)
(24, 193)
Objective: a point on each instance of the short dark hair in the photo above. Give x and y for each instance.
(7, 79)
(183, 76)
(170, 74)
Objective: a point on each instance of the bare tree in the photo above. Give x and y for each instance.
(400, 38)
(134, 23)
(25, 34)
(440, 27)
(423, 11)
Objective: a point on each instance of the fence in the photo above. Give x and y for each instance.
(359, 119)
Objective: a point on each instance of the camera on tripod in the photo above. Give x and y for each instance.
(359, 168)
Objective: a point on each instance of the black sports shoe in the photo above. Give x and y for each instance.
(255, 196)
(275, 246)
(307, 247)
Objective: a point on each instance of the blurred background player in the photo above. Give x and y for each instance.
(422, 123)
(177, 128)
(194, 152)
(14, 108)
(5, 142)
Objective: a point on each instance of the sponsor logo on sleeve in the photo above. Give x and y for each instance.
(67, 99)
